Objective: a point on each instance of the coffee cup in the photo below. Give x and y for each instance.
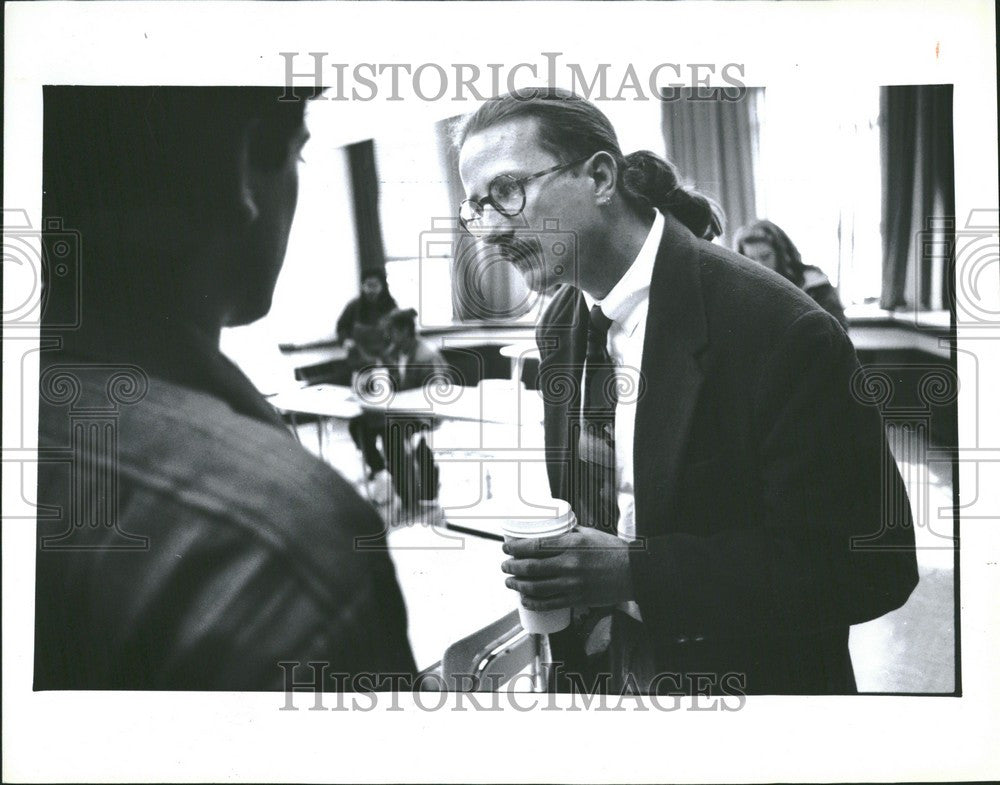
(561, 521)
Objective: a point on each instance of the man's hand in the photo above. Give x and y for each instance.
(585, 567)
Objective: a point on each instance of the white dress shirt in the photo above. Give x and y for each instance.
(626, 305)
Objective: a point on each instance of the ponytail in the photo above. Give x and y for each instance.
(650, 180)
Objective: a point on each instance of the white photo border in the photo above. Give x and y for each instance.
(233, 737)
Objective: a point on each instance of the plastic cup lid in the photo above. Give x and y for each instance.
(560, 521)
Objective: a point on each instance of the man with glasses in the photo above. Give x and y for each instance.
(727, 482)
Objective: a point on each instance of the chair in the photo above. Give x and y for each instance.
(492, 656)
(469, 365)
(464, 365)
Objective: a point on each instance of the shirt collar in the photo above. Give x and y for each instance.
(621, 303)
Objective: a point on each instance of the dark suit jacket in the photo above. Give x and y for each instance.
(769, 513)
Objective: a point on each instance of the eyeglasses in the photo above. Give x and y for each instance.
(505, 194)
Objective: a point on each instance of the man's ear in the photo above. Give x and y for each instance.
(604, 171)
(240, 189)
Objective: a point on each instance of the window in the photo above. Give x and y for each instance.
(415, 216)
(820, 181)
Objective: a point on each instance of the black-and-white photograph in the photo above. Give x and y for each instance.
(719, 504)
(536, 387)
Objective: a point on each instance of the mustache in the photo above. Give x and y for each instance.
(519, 251)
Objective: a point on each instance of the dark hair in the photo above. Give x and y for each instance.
(124, 148)
(402, 319)
(788, 260)
(370, 312)
(135, 169)
(377, 274)
(570, 127)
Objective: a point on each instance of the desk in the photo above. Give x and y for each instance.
(490, 451)
(489, 402)
(452, 403)
(518, 353)
(314, 353)
(311, 359)
(323, 401)
(320, 400)
(490, 448)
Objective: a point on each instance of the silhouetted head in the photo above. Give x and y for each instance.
(183, 197)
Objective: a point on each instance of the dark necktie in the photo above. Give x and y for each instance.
(584, 645)
(597, 496)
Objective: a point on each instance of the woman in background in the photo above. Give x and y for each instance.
(767, 244)
(359, 328)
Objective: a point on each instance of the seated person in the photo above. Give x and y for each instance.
(410, 363)
(359, 328)
(766, 243)
(189, 542)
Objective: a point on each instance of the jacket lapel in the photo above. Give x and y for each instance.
(676, 333)
(562, 344)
